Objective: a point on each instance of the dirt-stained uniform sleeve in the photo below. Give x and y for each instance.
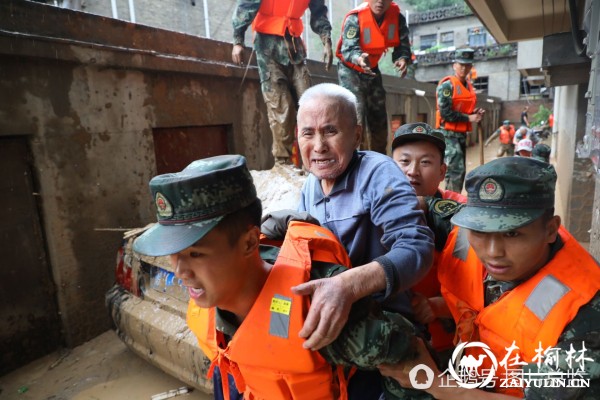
(403, 49)
(444, 100)
(243, 15)
(319, 22)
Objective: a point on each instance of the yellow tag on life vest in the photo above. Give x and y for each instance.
(281, 306)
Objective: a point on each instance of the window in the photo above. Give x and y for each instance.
(428, 41)
(477, 37)
(481, 84)
(528, 89)
(447, 39)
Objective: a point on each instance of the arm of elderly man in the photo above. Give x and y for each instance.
(374, 212)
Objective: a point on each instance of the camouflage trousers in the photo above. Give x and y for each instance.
(455, 157)
(508, 149)
(282, 86)
(372, 114)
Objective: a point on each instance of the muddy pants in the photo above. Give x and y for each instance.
(282, 86)
(508, 149)
(455, 157)
(372, 114)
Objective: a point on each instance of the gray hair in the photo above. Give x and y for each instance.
(343, 96)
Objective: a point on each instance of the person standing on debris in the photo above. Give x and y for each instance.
(456, 112)
(507, 134)
(281, 58)
(517, 282)
(366, 201)
(419, 152)
(367, 32)
(242, 308)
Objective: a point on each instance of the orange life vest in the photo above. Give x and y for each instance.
(265, 355)
(463, 101)
(275, 16)
(533, 313)
(374, 39)
(507, 134)
(450, 195)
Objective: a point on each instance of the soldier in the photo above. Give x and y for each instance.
(242, 308)
(419, 151)
(281, 58)
(518, 282)
(367, 32)
(541, 152)
(456, 111)
(507, 134)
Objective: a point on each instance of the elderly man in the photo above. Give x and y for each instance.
(366, 201)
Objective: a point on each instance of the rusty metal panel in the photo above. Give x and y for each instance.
(175, 148)
(29, 327)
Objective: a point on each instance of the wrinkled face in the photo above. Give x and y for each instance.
(518, 254)
(524, 153)
(327, 138)
(379, 7)
(212, 269)
(461, 70)
(422, 164)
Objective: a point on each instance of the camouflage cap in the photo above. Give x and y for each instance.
(464, 56)
(541, 152)
(192, 202)
(506, 122)
(416, 132)
(506, 194)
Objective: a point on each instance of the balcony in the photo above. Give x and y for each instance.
(483, 53)
(438, 14)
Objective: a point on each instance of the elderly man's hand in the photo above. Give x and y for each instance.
(330, 305)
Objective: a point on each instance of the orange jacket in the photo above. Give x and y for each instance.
(507, 134)
(463, 100)
(533, 313)
(265, 355)
(275, 16)
(374, 39)
(450, 195)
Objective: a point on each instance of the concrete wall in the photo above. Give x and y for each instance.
(576, 178)
(87, 92)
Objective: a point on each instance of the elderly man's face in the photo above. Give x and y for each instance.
(379, 7)
(327, 138)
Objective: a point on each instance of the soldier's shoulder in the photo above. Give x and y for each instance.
(444, 88)
(586, 324)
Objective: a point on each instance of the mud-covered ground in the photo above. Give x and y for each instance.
(104, 369)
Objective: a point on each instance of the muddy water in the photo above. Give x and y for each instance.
(101, 369)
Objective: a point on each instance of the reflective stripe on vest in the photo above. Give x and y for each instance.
(545, 296)
(461, 246)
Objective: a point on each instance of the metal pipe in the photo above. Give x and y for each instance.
(206, 22)
(131, 11)
(113, 4)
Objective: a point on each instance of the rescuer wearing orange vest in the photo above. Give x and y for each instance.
(456, 111)
(281, 58)
(522, 291)
(419, 152)
(242, 308)
(506, 133)
(367, 32)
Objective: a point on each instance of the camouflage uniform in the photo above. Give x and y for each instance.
(456, 142)
(282, 69)
(369, 91)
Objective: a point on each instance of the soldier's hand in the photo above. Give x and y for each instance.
(327, 54)
(364, 63)
(400, 66)
(475, 117)
(424, 313)
(237, 54)
(329, 309)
